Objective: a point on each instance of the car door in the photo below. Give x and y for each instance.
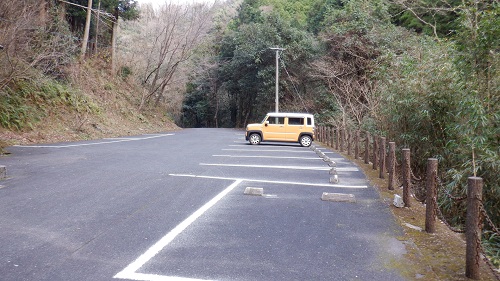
(274, 129)
(294, 128)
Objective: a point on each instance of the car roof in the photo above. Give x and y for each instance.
(289, 114)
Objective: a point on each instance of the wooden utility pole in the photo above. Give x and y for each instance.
(86, 32)
(97, 25)
(113, 43)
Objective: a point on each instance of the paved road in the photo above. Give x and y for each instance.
(172, 207)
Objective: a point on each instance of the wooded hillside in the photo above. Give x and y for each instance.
(423, 73)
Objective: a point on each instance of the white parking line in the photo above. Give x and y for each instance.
(96, 143)
(268, 150)
(130, 272)
(283, 167)
(272, 157)
(274, 182)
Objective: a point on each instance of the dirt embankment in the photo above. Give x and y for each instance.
(94, 105)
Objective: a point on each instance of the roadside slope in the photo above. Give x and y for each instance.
(90, 104)
(437, 256)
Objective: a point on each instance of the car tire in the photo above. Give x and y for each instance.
(305, 140)
(254, 139)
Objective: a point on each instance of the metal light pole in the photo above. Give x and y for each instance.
(277, 72)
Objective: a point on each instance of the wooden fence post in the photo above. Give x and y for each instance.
(3, 172)
(327, 136)
(332, 136)
(473, 227)
(392, 165)
(342, 133)
(367, 148)
(375, 152)
(382, 158)
(406, 177)
(337, 137)
(356, 145)
(349, 142)
(430, 201)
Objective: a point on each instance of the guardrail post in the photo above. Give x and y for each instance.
(375, 152)
(392, 165)
(406, 177)
(473, 227)
(367, 148)
(382, 158)
(430, 200)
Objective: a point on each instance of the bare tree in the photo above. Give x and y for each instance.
(164, 41)
(427, 12)
(32, 38)
(345, 71)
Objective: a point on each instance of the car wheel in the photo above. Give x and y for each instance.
(305, 140)
(254, 138)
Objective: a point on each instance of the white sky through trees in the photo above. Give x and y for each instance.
(159, 2)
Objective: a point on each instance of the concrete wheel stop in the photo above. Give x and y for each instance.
(256, 191)
(338, 197)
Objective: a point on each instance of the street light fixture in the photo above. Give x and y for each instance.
(277, 72)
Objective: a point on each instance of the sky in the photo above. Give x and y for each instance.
(159, 2)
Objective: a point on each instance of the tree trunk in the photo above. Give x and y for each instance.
(113, 43)
(86, 32)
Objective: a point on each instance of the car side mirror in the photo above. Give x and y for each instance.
(266, 123)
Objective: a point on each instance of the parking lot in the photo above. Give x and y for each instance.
(287, 233)
(173, 207)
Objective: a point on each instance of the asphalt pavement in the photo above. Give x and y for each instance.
(172, 206)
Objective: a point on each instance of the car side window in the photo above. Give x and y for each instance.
(276, 120)
(309, 121)
(295, 121)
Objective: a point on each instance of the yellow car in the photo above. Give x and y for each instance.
(282, 127)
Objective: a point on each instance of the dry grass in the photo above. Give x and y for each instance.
(116, 100)
(437, 256)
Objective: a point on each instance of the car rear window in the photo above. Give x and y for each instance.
(295, 121)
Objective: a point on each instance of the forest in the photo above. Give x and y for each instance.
(424, 73)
